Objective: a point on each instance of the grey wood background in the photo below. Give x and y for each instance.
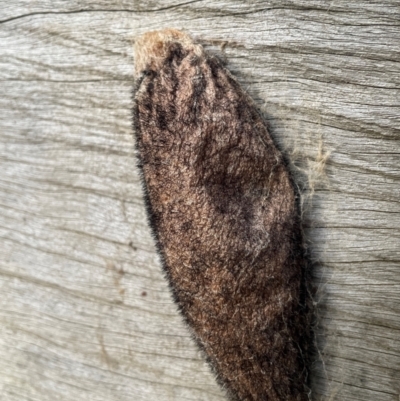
(85, 313)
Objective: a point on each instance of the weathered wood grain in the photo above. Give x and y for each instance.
(84, 310)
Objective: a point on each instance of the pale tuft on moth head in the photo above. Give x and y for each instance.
(153, 47)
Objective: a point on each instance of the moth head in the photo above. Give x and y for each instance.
(152, 48)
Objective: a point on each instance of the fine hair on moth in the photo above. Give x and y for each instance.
(225, 218)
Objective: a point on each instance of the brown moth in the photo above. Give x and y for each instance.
(225, 217)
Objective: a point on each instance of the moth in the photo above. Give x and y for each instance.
(225, 217)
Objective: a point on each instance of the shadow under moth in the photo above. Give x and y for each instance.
(225, 217)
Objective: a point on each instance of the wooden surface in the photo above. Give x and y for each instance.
(85, 313)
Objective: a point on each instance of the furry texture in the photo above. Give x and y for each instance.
(225, 217)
